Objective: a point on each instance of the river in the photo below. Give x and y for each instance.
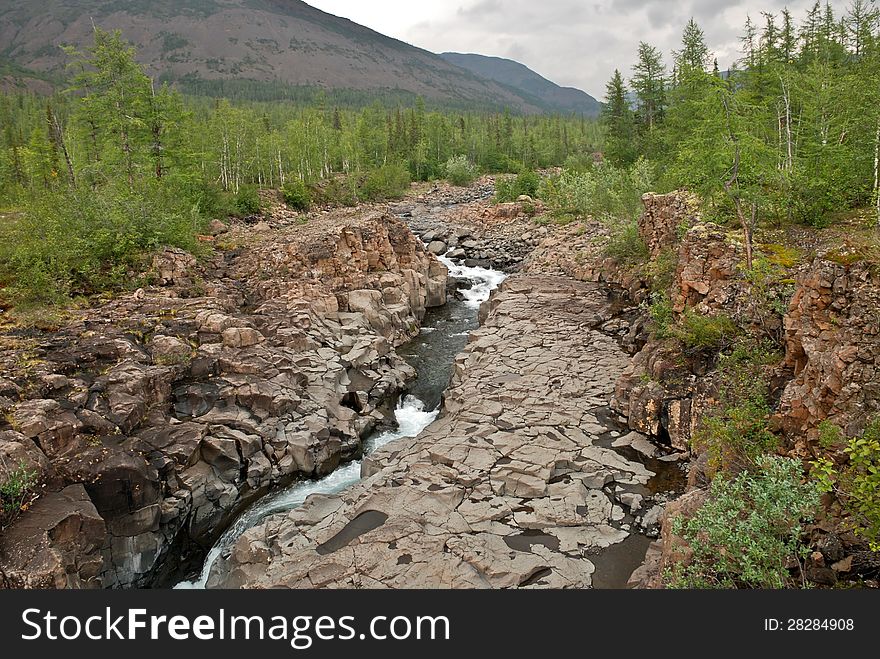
(432, 353)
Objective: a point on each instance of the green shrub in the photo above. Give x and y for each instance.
(661, 271)
(16, 492)
(625, 245)
(247, 201)
(387, 182)
(737, 432)
(85, 241)
(338, 191)
(738, 435)
(749, 529)
(602, 191)
(699, 333)
(662, 316)
(858, 484)
(296, 195)
(460, 171)
(211, 199)
(863, 483)
(511, 188)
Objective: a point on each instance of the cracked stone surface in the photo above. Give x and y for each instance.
(509, 488)
(151, 419)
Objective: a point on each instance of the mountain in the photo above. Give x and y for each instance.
(525, 81)
(220, 46)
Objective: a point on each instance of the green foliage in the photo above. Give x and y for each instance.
(863, 483)
(737, 433)
(84, 241)
(737, 436)
(619, 121)
(662, 315)
(387, 182)
(624, 244)
(770, 294)
(748, 530)
(602, 191)
(858, 483)
(661, 271)
(509, 189)
(830, 436)
(337, 191)
(699, 333)
(297, 195)
(16, 492)
(247, 201)
(460, 171)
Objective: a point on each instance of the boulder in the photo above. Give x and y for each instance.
(437, 247)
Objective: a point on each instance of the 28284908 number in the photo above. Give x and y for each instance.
(820, 624)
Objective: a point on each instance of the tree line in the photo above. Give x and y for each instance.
(115, 121)
(117, 164)
(790, 133)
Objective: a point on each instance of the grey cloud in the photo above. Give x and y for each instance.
(577, 43)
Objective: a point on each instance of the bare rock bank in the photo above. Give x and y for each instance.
(152, 419)
(514, 486)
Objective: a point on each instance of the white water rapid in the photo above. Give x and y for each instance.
(411, 415)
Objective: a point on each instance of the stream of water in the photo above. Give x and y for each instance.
(432, 353)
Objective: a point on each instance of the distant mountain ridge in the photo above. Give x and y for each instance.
(521, 78)
(221, 45)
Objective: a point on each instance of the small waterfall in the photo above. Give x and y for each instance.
(436, 344)
(411, 417)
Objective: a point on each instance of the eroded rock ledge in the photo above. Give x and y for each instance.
(511, 487)
(152, 419)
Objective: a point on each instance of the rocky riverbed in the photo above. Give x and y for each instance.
(150, 420)
(516, 484)
(154, 419)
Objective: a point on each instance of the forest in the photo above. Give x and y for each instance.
(116, 165)
(791, 133)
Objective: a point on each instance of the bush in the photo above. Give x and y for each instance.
(460, 171)
(662, 316)
(86, 241)
(749, 529)
(604, 192)
(738, 436)
(387, 182)
(858, 484)
(510, 188)
(16, 492)
(297, 195)
(247, 201)
(625, 245)
(699, 333)
(338, 191)
(737, 432)
(210, 198)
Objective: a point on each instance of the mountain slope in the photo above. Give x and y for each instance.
(524, 80)
(269, 41)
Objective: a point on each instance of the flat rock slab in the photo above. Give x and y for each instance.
(509, 488)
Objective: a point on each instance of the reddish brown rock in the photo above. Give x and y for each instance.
(832, 343)
(665, 217)
(171, 408)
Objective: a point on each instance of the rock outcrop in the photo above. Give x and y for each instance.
(665, 217)
(832, 344)
(515, 486)
(155, 417)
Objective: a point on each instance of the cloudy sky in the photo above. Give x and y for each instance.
(572, 42)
